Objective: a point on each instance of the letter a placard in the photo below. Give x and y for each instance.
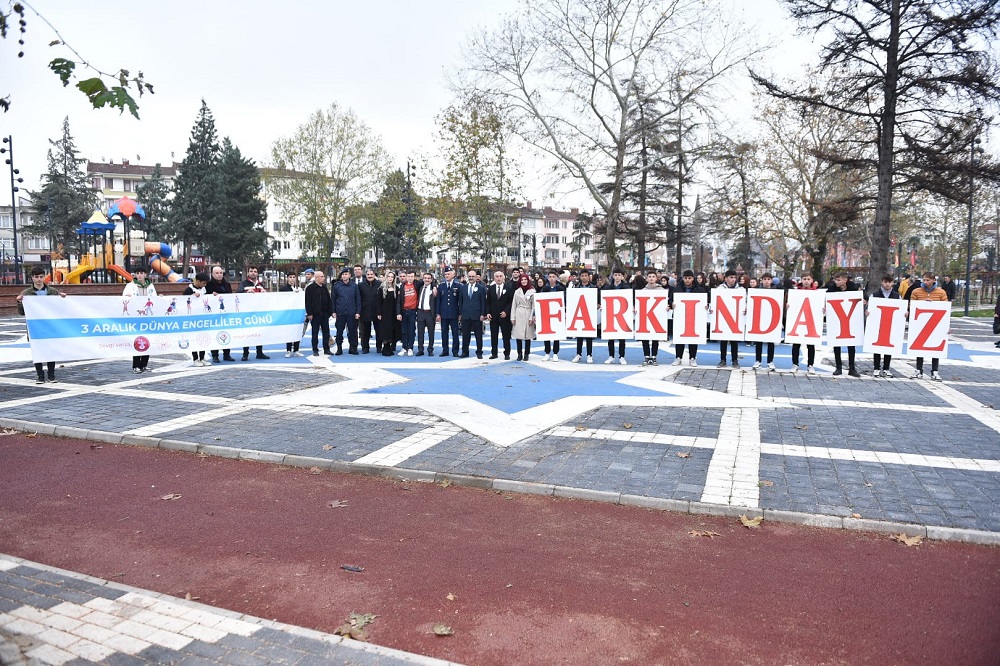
(581, 313)
(651, 314)
(804, 319)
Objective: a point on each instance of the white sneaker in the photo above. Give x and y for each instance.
(196, 364)
(769, 367)
(610, 360)
(590, 359)
(795, 369)
(409, 352)
(677, 361)
(576, 359)
(136, 371)
(547, 357)
(810, 370)
(756, 365)
(693, 363)
(935, 376)
(623, 361)
(402, 352)
(555, 359)
(295, 353)
(918, 375)
(886, 374)
(288, 354)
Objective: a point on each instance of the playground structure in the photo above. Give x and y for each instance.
(158, 254)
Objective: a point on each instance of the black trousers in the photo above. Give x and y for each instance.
(365, 333)
(621, 348)
(500, 328)
(650, 347)
(692, 351)
(472, 327)
(351, 324)
(732, 350)
(140, 362)
(934, 364)
(425, 325)
(759, 351)
(810, 354)
(882, 361)
(850, 357)
(590, 346)
(320, 323)
(51, 366)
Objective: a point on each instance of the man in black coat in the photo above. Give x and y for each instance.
(218, 286)
(253, 285)
(319, 309)
(499, 298)
(426, 312)
(840, 282)
(369, 310)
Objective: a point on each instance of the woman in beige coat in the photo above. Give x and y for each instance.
(522, 316)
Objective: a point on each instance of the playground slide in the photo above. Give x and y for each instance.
(121, 272)
(73, 277)
(158, 254)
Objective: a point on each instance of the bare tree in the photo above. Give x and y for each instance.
(914, 71)
(571, 72)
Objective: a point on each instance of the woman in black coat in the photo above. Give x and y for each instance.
(389, 328)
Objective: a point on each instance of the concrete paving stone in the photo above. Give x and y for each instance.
(206, 650)
(269, 382)
(124, 659)
(194, 660)
(241, 658)
(39, 601)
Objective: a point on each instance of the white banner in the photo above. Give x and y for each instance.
(550, 317)
(729, 310)
(845, 318)
(616, 314)
(804, 319)
(765, 308)
(651, 314)
(85, 327)
(927, 336)
(885, 326)
(690, 319)
(581, 313)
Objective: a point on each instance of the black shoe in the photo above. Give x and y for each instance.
(228, 358)
(493, 357)
(245, 357)
(853, 373)
(40, 380)
(215, 359)
(353, 352)
(464, 355)
(479, 355)
(519, 356)
(366, 350)
(444, 353)
(430, 352)
(340, 352)
(262, 357)
(52, 377)
(315, 353)
(838, 372)
(506, 357)
(420, 352)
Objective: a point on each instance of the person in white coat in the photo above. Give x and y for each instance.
(522, 316)
(142, 287)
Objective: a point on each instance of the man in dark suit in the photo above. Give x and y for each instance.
(319, 308)
(472, 312)
(447, 310)
(499, 297)
(426, 303)
(369, 288)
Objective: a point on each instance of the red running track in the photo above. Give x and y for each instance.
(535, 580)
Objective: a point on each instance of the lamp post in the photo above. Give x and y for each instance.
(15, 180)
(968, 232)
(411, 171)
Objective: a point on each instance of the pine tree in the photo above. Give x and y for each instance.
(66, 199)
(152, 194)
(238, 236)
(195, 211)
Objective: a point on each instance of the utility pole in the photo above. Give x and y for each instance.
(15, 180)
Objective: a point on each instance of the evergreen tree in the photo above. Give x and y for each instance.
(392, 231)
(66, 199)
(152, 194)
(238, 235)
(197, 199)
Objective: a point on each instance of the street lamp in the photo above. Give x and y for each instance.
(15, 180)
(973, 147)
(411, 170)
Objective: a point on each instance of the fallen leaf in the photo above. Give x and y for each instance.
(684, 454)
(580, 427)
(327, 447)
(7, 431)
(337, 504)
(907, 540)
(32, 434)
(171, 496)
(765, 483)
(855, 515)
(442, 630)
(868, 484)
(399, 429)
(627, 426)
(704, 533)
(218, 439)
(450, 597)
(202, 455)
(802, 427)
(191, 598)
(315, 470)
(352, 568)
(751, 523)
(96, 446)
(445, 483)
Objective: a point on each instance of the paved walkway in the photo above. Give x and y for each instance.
(889, 455)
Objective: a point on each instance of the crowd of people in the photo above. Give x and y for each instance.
(400, 313)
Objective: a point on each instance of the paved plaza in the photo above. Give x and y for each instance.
(882, 454)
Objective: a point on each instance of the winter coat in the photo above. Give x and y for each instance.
(522, 315)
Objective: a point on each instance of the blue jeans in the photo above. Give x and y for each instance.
(409, 328)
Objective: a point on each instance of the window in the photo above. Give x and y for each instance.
(276, 246)
(38, 243)
(527, 224)
(6, 222)
(127, 185)
(551, 224)
(586, 255)
(564, 254)
(288, 245)
(95, 183)
(564, 224)
(286, 227)
(277, 226)
(109, 183)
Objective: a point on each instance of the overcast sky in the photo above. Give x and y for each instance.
(262, 67)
